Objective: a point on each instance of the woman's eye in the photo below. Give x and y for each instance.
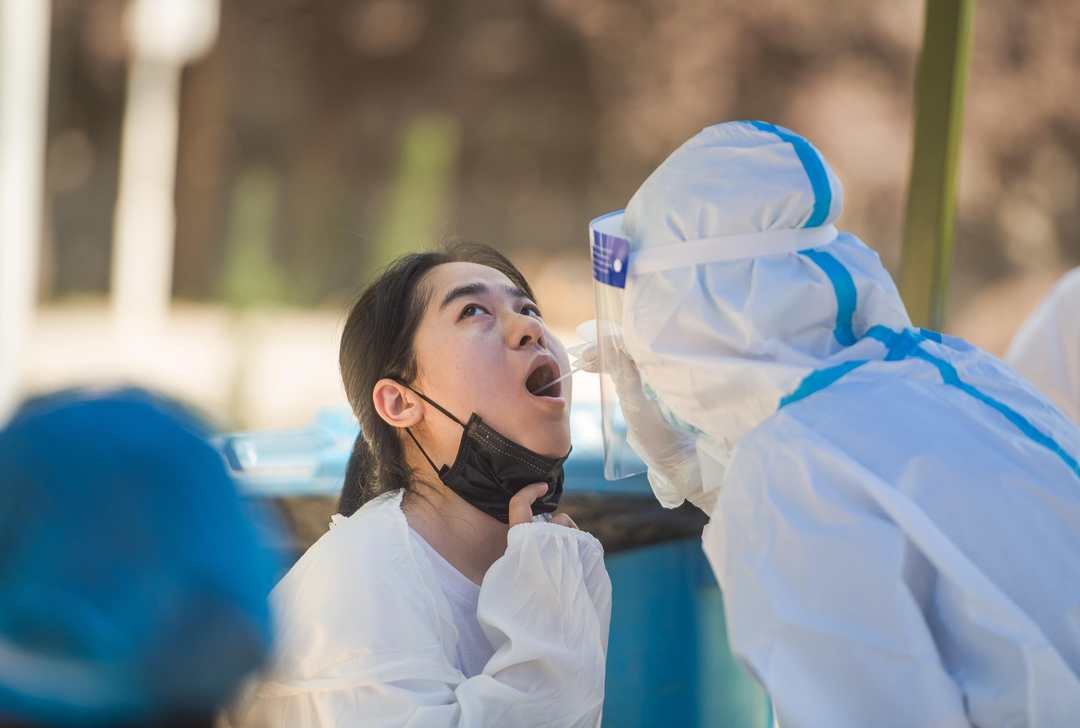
(531, 310)
(471, 310)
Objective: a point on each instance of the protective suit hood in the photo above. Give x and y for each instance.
(734, 265)
(734, 179)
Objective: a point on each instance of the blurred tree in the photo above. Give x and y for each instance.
(419, 197)
(251, 276)
(563, 107)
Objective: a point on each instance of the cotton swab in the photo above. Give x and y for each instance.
(573, 370)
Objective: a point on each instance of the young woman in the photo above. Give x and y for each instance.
(450, 597)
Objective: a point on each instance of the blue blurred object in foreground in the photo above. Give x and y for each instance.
(133, 577)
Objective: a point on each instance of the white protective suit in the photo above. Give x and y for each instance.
(895, 515)
(1046, 350)
(366, 639)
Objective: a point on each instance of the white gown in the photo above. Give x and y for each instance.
(365, 634)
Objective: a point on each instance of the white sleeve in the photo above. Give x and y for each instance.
(823, 598)
(1046, 350)
(545, 606)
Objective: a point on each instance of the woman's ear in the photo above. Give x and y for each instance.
(396, 405)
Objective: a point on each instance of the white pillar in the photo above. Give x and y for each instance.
(164, 35)
(145, 218)
(24, 79)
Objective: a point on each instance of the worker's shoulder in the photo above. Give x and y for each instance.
(892, 396)
(893, 417)
(860, 396)
(859, 416)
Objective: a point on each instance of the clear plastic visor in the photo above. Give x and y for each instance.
(610, 251)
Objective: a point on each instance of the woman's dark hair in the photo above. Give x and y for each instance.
(377, 342)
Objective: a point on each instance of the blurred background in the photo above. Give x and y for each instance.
(220, 178)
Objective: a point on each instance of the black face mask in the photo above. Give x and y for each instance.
(490, 469)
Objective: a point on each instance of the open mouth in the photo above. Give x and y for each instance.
(539, 382)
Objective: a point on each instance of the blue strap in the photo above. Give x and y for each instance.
(819, 379)
(815, 170)
(899, 345)
(906, 344)
(950, 376)
(846, 296)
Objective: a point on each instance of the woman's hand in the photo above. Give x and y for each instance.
(521, 506)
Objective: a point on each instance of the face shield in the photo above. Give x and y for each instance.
(625, 397)
(610, 252)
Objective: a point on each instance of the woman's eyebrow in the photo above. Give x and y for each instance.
(478, 289)
(515, 292)
(471, 289)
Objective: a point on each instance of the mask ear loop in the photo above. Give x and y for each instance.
(424, 453)
(437, 406)
(432, 402)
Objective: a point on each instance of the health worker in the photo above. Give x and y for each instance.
(894, 514)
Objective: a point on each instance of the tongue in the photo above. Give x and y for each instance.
(539, 383)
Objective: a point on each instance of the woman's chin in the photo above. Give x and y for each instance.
(552, 441)
(544, 430)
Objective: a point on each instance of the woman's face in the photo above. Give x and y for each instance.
(481, 346)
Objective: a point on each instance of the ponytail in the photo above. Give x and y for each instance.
(358, 477)
(369, 475)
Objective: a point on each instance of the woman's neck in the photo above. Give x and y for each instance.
(468, 538)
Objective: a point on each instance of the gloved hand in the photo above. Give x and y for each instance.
(670, 454)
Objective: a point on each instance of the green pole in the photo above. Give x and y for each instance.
(929, 223)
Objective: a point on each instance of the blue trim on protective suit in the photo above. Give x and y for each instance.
(906, 344)
(819, 379)
(899, 345)
(815, 170)
(950, 376)
(846, 296)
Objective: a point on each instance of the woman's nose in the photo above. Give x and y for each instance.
(526, 330)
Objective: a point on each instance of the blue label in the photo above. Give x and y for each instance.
(610, 255)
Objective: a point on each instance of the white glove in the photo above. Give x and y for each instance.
(670, 454)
